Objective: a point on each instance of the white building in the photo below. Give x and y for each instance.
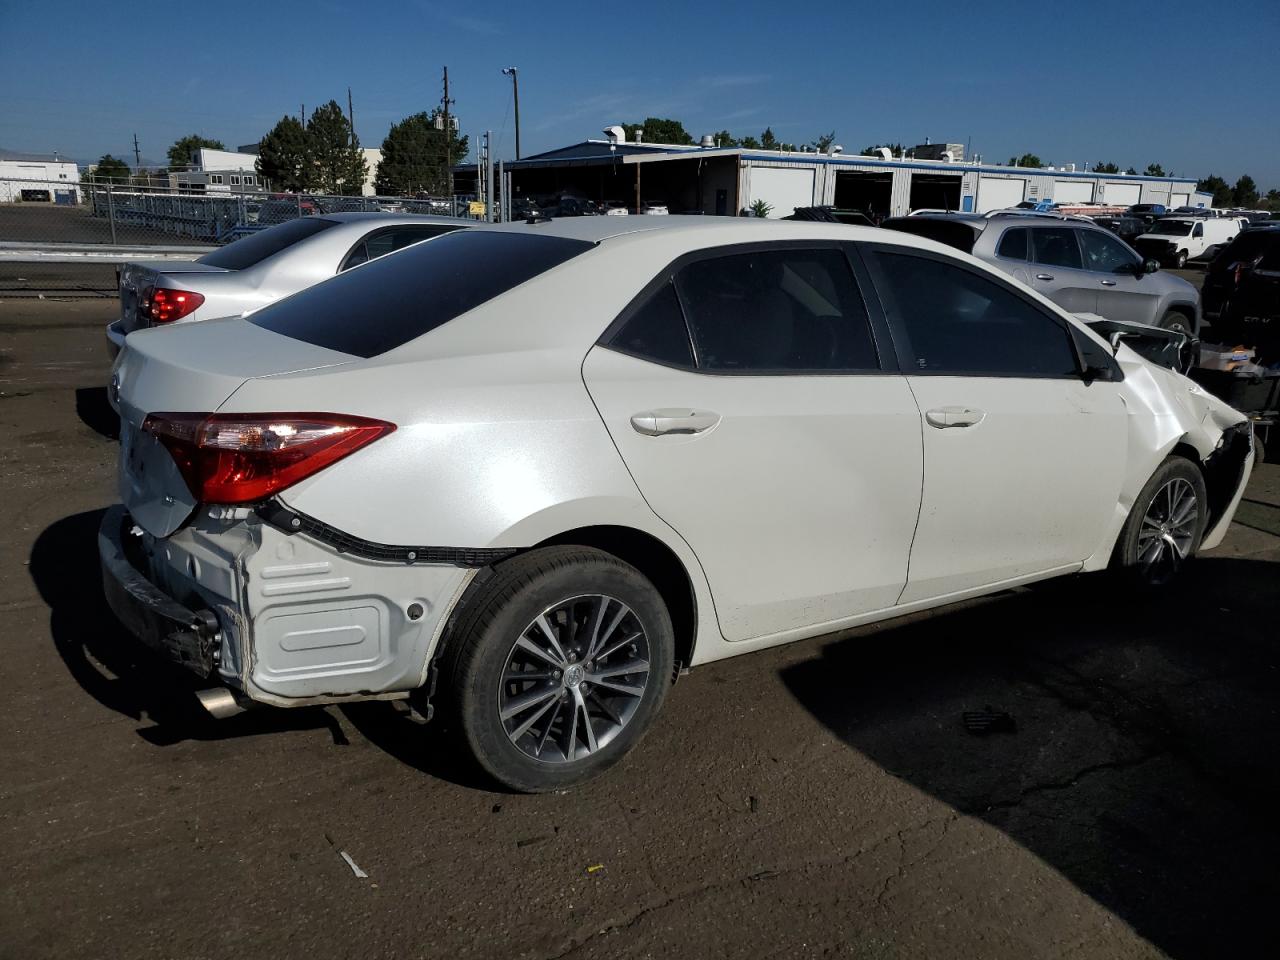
(38, 178)
(219, 171)
(372, 157)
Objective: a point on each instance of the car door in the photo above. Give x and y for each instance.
(1024, 457)
(1122, 294)
(1057, 269)
(762, 417)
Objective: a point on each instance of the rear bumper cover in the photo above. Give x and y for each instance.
(186, 636)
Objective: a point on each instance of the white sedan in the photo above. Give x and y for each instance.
(262, 267)
(543, 468)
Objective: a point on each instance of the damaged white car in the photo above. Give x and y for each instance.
(525, 474)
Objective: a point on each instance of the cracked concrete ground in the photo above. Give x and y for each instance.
(822, 799)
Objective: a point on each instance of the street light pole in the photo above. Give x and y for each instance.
(515, 90)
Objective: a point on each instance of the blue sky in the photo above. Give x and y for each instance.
(1072, 82)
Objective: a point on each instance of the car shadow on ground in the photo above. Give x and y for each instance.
(95, 412)
(120, 673)
(1138, 758)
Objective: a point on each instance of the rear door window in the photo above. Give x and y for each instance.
(1056, 247)
(393, 300)
(253, 249)
(656, 330)
(1013, 245)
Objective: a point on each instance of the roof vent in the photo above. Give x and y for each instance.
(836, 150)
(640, 136)
(948, 156)
(885, 153)
(708, 142)
(616, 134)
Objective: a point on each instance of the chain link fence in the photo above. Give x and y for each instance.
(60, 238)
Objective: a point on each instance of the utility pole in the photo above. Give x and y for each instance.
(302, 113)
(446, 102)
(351, 119)
(512, 72)
(137, 155)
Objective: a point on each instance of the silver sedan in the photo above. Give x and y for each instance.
(262, 268)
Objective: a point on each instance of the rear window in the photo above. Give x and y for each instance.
(953, 233)
(253, 249)
(392, 300)
(1250, 244)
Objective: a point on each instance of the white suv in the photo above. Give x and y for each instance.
(538, 469)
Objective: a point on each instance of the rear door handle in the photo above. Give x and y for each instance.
(1044, 276)
(1108, 283)
(943, 417)
(657, 423)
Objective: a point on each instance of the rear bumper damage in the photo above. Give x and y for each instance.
(279, 617)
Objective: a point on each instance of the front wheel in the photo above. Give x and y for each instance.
(1166, 524)
(1180, 261)
(557, 666)
(1177, 322)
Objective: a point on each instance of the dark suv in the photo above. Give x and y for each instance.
(1242, 291)
(1076, 264)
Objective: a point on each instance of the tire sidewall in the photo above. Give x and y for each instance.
(1127, 552)
(477, 698)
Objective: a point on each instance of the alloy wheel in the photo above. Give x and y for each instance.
(574, 678)
(1168, 530)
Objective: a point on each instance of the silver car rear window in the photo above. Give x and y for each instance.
(253, 249)
(397, 298)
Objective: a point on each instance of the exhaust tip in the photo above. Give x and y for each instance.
(221, 702)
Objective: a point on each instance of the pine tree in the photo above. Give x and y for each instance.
(413, 157)
(283, 158)
(336, 161)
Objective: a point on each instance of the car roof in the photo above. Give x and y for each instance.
(392, 219)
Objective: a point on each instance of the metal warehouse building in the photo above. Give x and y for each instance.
(725, 181)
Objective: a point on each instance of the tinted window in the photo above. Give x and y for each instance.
(1056, 247)
(253, 249)
(382, 242)
(394, 300)
(955, 321)
(1013, 245)
(1105, 254)
(777, 310)
(954, 233)
(656, 331)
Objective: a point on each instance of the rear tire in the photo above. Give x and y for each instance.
(1165, 526)
(540, 712)
(1180, 261)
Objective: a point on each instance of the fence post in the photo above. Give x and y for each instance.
(297, 197)
(111, 213)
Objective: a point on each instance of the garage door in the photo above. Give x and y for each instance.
(996, 193)
(1178, 199)
(1073, 191)
(783, 189)
(1121, 194)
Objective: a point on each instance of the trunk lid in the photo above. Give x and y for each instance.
(191, 369)
(137, 275)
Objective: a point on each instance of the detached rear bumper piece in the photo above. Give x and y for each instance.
(186, 636)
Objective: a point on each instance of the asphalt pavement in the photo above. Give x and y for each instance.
(822, 799)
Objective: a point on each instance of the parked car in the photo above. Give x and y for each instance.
(577, 207)
(258, 269)
(1127, 229)
(595, 452)
(1242, 291)
(615, 208)
(831, 215)
(1189, 211)
(1148, 213)
(1175, 241)
(652, 209)
(1037, 206)
(284, 208)
(1080, 266)
(523, 208)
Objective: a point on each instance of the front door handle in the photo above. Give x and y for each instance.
(1044, 276)
(943, 417)
(1108, 283)
(657, 423)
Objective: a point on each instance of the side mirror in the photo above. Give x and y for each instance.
(1150, 266)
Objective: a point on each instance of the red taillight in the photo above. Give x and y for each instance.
(164, 304)
(241, 458)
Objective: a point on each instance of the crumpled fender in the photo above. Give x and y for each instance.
(1165, 410)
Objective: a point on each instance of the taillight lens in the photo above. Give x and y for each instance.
(164, 304)
(245, 457)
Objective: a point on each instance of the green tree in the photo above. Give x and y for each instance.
(1026, 160)
(1271, 201)
(1132, 172)
(768, 141)
(413, 156)
(182, 153)
(1220, 189)
(111, 170)
(725, 139)
(760, 208)
(1105, 168)
(284, 158)
(824, 143)
(1155, 170)
(1245, 192)
(659, 130)
(751, 143)
(336, 161)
